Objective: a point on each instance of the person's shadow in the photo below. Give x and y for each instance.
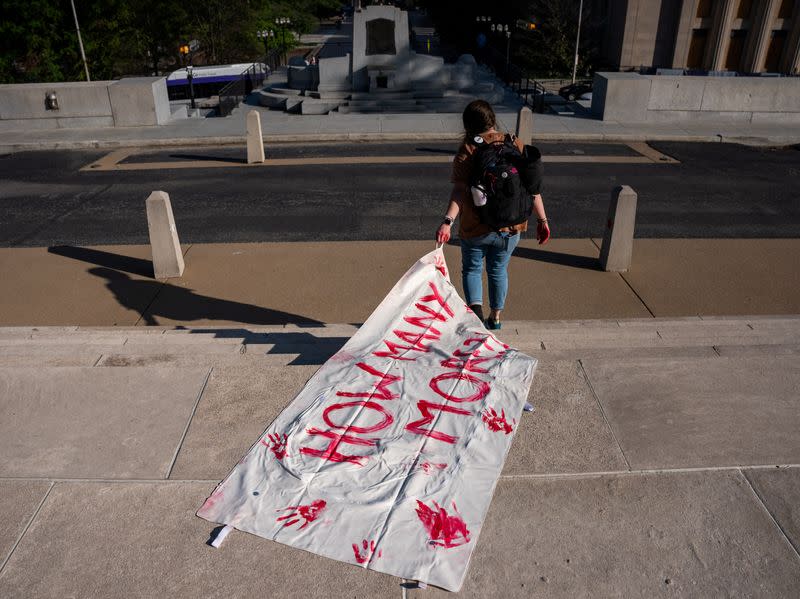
(184, 305)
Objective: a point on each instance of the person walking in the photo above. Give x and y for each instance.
(479, 240)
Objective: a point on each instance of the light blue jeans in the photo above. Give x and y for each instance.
(496, 248)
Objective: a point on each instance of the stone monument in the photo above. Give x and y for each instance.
(383, 74)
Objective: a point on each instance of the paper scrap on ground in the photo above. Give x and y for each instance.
(389, 456)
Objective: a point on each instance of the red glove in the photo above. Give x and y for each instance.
(542, 231)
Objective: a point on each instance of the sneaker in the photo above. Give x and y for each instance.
(493, 325)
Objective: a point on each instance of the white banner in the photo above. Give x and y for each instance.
(389, 456)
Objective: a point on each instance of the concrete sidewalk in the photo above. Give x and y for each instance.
(279, 127)
(313, 283)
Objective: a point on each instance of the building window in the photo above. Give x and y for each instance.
(697, 48)
(703, 9)
(775, 50)
(785, 11)
(735, 50)
(744, 9)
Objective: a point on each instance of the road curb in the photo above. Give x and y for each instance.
(375, 137)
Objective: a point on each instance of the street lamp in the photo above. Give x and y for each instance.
(503, 29)
(190, 77)
(265, 35)
(283, 22)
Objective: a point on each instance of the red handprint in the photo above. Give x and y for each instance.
(276, 444)
(445, 530)
(309, 513)
(369, 549)
(497, 423)
(441, 265)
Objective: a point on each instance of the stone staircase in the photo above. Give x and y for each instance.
(284, 345)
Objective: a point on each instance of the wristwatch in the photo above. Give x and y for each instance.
(448, 220)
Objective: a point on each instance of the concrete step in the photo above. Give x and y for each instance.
(291, 344)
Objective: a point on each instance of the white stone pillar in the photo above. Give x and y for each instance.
(720, 35)
(164, 244)
(255, 141)
(525, 125)
(791, 55)
(683, 36)
(617, 248)
(760, 35)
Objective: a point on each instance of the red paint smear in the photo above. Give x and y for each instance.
(276, 444)
(309, 513)
(331, 454)
(387, 417)
(437, 297)
(425, 407)
(369, 549)
(481, 387)
(429, 467)
(444, 530)
(497, 423)
(381, 390)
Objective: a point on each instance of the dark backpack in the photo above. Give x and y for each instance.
(503, 175)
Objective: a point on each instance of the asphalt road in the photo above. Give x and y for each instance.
(716, 191)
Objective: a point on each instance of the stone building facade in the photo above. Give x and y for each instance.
(746, 36)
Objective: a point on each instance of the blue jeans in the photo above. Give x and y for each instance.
(496, 248)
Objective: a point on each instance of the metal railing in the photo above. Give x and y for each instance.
(236, 91)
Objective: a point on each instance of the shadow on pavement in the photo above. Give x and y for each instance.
(200, 157)
(183, 305)
(584, 262)
(310, 349)
(134, 266)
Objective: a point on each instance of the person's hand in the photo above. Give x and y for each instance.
(443, 233)
(542, 231)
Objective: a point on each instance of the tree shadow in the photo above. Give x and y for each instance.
(181, 304)
(585, 262)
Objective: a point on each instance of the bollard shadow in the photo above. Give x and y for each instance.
(309, 349)
(204, 158)
(182, 304)
(134, 266)
(584, 262)
(436, 151)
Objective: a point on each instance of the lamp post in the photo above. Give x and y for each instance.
(283, 23)
(503, 29)
(577, 42)
(482, 22)
(80, 41)
(264, 35)
(190, 78)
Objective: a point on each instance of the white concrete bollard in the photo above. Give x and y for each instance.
(255, 141)
(164, 244)
(617, 248)
(525, 125)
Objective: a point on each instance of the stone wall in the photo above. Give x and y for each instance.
(134, 102)
(630, 97)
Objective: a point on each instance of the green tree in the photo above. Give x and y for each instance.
(38, 43)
